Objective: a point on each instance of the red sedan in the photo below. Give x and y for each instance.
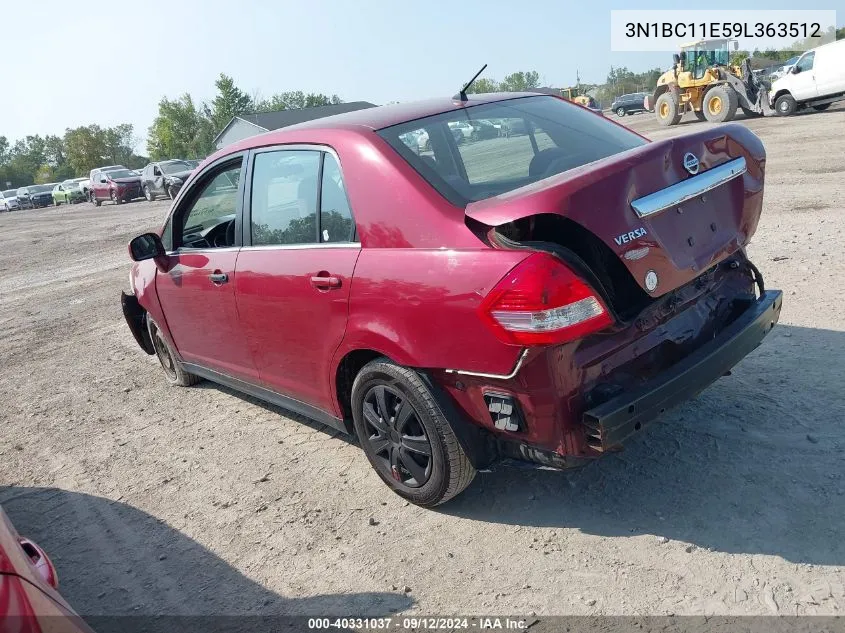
(29, 600)
(538, 295)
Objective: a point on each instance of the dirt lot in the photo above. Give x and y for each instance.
(157, 500)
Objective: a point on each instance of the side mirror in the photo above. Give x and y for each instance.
(103, 179)
(146, 246)
(795, 69)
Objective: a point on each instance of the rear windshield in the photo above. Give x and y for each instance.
(510, 144)
(41, 188)
(10, 193)
(175, 167)
(121, 173)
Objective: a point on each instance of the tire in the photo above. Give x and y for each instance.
(170, 192)
(94, 200)
(699, 114)
(173, 371)
(822, 107)
(149, 195)
(620, 112)
(667, 110)
(396, 448)
(114, 197)
(720, 103)
(785, 105)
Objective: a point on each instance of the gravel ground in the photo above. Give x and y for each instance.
(158, 500)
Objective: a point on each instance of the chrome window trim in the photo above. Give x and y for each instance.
(688, 189)
(187, 250)
(300, 247)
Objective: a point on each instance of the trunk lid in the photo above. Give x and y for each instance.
(624, 201)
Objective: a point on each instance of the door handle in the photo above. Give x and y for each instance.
(329, 281)
(218, 278)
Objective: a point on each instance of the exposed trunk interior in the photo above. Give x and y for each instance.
(592, 257)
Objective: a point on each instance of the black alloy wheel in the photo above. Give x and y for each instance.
(396, 436)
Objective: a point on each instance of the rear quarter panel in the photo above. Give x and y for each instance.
(420, 307)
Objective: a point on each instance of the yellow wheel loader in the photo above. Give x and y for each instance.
(578, 95)
(703, 81)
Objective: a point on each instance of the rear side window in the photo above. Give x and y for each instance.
(512, 144)
(284, 197)
(336, 223)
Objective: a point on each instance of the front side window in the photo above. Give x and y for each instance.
(284, 197)
(806, 62)
(536, 137)
(210, 219)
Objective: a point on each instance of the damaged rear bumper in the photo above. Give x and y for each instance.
(611, 422)
(136, 319)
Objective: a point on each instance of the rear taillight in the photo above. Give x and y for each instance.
(541, 302)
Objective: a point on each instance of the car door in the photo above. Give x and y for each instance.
(802, 82)
(295, 270)
(98, 187)
(197, 292)
(158, 180)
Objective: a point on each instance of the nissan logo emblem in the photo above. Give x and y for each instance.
(691, 163)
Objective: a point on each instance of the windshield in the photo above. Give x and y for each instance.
(10, 193)
(121, 173)
(41, 188)
(175, 167)
(536, 137)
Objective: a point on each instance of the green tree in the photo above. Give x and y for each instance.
(91, 146)
(520, 81)
(294, 100)
(483, 85)
(229, 102)
(179, 131)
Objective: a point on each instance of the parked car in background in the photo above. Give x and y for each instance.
(41, 195)
(29, 597)
(629, 104)
(816, 81)
(461, 306)
(23, 198)
(482, 130)
(68, 192)
(464, 127)
(94, 176)
(117, 185)
(9, 200)
(165, 178)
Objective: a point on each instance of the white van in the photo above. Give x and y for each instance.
(816, 80)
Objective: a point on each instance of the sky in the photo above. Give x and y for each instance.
(70, 63)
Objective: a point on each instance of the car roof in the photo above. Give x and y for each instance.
(371, 119)
(388, 115)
